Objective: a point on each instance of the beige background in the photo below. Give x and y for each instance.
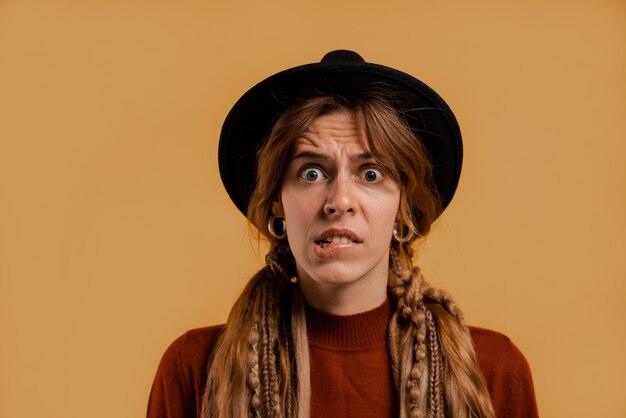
(116, 235)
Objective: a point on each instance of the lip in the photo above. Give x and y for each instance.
(339, 232)
(335, 248)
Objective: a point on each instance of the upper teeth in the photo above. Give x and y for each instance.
(340, 240)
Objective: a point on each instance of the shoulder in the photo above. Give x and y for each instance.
(193, 347)
(490, 343)
(180, 378)
(185, 360)
(497, 354)
(507, 373)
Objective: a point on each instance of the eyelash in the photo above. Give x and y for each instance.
(308, 168)
(322, 175)
(372, 168)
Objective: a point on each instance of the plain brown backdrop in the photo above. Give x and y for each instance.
(116, 235)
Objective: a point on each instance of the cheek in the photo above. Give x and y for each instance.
(299, 215)
(387, 206)
(302, 205)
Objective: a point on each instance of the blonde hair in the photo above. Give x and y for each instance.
(260, 366)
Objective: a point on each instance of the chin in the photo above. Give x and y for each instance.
(337, 275)
(335, 279)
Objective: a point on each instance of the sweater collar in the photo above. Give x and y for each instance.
(358, 331)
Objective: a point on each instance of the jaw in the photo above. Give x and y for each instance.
(339, 287)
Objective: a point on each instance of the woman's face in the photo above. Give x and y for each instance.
(340, 209)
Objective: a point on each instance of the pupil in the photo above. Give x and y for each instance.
(311, 175)
(370, 176)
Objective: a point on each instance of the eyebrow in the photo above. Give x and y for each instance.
(316, 155)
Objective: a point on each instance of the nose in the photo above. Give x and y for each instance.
(340, 198)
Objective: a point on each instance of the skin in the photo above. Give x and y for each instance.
(333, 187)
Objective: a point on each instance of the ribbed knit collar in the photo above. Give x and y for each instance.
(359, 331)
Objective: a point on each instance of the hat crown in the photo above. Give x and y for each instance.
(342, 55)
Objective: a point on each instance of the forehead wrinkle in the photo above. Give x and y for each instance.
(340, 123)
(333, 131)
(305, 139)
(319, 137)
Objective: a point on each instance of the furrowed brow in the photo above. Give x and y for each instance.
(310, 154)
(362, 156)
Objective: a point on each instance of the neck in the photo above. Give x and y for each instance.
(344, 299)
(359, 331)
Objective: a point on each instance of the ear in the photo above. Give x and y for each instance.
(277, 208)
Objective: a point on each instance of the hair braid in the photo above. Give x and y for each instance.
(252, 363)
(394, 349)
(397, 283)
(432, 355)
(233, 398)
(444, 298)
(465, 386)
(419, 363)
(300, 356)
(286, 363)
(254, 382)
(436, 382)
(269, 341)
(275, 405)
(413, 301)
(408, 335)
(256, 350)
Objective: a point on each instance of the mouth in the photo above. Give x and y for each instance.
(334, 240)
(337, 236)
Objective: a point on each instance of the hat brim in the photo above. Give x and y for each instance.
(252, 118)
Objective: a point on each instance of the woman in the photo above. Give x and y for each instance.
(341, 165)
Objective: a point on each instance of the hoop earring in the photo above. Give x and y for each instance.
(408, 237)
(271, 227)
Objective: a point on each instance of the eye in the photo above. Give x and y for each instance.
(372, 175)
(312, 174)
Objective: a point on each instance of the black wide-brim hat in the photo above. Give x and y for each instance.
(342, 73)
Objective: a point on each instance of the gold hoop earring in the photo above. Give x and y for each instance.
(271, 227)
(408, 237)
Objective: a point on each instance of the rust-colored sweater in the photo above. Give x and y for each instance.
(350, 372)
